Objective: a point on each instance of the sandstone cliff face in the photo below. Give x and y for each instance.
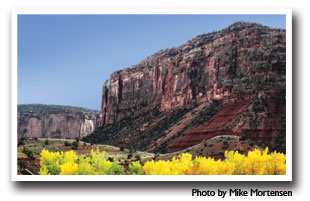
(236, 62)
(242, 68)
(60, 123)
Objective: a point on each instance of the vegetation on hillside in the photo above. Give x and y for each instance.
(37, 108)
(201, 117)
(157, 123)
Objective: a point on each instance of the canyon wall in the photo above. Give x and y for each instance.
(59, 123)
(236, 63)
(230, 82)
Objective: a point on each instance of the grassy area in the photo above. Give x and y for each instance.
(215, 147)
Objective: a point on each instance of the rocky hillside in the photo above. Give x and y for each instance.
(55, 121)
(230, 82)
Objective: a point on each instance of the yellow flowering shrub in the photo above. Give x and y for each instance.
(157, 168)
(135, 168)
(255, 163)
(100, 164)
(85, 167)
(55, 163)
(237, 160)
(68, 168)
(208, 166)
(181, 164)
(178, 166)
(50, 162)
(43, 171)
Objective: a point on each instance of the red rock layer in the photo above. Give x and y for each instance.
(238, 118)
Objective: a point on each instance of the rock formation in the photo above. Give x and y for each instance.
(239, 72)
(55, 122)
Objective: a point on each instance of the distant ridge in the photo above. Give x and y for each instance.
(55, 121)
(36, 108)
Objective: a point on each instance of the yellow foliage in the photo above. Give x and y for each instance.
(43, 171)
(55, 163)
(208, 166)
(50, 157)
(237, 160)
(70, 156)
(135, 168)
(85, 167)
(69, 168)
(255, 163)
(178, 166)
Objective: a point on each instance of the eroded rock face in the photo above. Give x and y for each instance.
(231, 82)
(239, 61)
(56, 124)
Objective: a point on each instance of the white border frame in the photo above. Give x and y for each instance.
(287, 177)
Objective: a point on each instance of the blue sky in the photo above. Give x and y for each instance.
(65, 59)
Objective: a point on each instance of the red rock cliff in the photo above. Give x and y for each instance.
(236, 63)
